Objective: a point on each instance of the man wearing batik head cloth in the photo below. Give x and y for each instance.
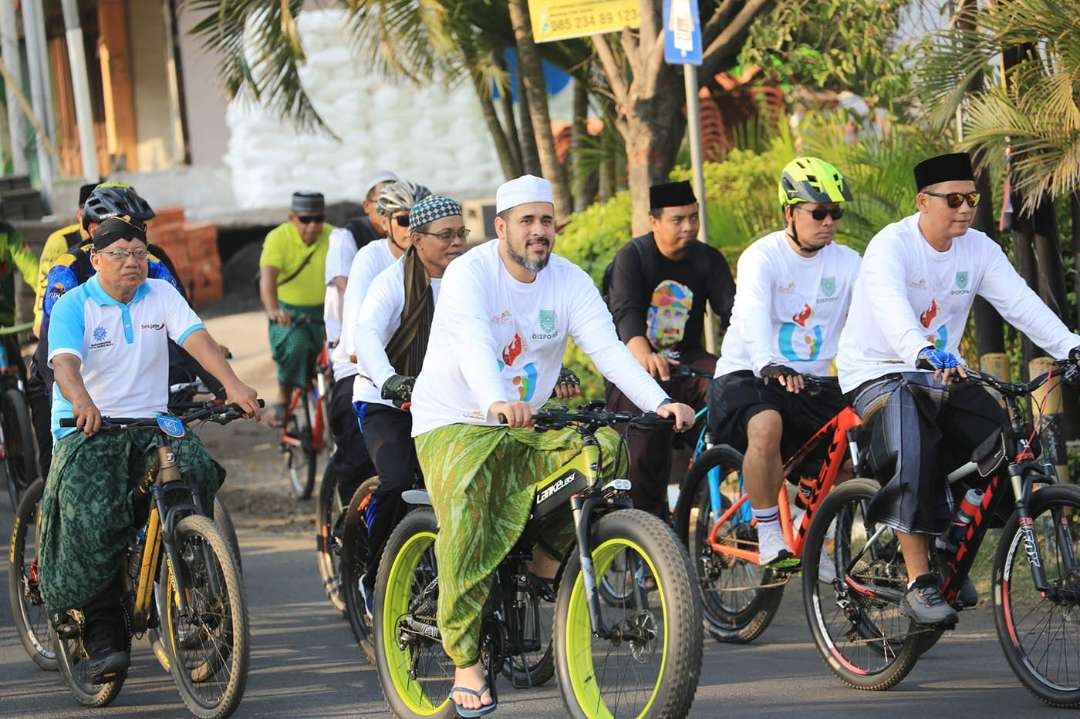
(900, 356)
(391, 338)
(659, 285)
(505, 312)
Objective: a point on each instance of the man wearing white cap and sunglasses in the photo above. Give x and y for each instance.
(505, 312)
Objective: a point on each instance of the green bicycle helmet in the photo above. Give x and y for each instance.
(115, 199)
(810, 179)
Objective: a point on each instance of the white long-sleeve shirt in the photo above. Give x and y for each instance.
(495, 339)
(372, 259)
(339, 259)
(376, 322)
(909, 296)
(788, 308)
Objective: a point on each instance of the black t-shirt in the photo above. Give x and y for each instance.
(362, 232)
(663, 300)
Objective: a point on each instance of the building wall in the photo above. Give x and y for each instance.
(204, 95)
(156, 148)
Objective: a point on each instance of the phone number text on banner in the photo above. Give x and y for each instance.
(564, 19)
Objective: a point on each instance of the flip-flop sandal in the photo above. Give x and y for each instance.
(470, 713)
(276, 419)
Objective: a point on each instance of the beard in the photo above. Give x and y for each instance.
(530, 265)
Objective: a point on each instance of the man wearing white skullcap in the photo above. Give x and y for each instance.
(505, 312)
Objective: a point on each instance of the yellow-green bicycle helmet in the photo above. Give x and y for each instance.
(810, 179)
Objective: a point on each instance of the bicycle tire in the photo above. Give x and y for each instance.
(843, 504)
(692, 522)
(404, 567)
(70, 655)
(21, 459)
(327, 546)
(190, 673)
(28, 610)
(1009, 590)
(534, 669)
(354, 557)
(302, 477)
(671, 694)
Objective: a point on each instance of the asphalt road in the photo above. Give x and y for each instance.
(304, 662)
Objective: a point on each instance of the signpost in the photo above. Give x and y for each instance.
(682, 46)
(565, 19)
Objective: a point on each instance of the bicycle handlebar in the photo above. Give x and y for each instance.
(207, 410)
(1066, 368)
(559, 418)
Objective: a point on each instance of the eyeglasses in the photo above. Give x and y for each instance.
(121, 255)
(462, 233)
(820, 213)
(955, 199)
(309, 219)
(402, 220)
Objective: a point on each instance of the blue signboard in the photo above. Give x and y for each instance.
(682, 32)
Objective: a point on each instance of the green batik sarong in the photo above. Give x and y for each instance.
(87, 507)
(295, 348)
(481, 484)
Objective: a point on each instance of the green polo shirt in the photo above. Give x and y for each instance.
(284, 249)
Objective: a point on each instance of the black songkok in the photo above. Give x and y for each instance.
(943, 168)
(671, 194)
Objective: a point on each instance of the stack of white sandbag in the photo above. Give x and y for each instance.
(433, 135)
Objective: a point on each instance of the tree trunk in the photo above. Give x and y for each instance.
(1074, 215)
(530, 158)
(606, 185)
(654, 130)
(532, 74)
(506, 100)
(577, 142)
(491, 117)
(1024, 257)
(1051, 273)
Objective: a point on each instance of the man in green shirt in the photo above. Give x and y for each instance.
(292, 287)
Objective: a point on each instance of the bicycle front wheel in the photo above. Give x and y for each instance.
(650, 660)
(328, 513)
(28, 609)
(739, 598)
(206, 620)
(301, 460)
(1040, 631)
(355, 549)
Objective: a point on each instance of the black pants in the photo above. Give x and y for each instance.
(919, 431)
(350, 462)
(40, 401)
(388, 435)
(650, 450)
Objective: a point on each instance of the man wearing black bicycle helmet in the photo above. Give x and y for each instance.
(794, 287)
(900, 355)
(108, 342)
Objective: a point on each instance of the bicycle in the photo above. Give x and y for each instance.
(179, 555)
(303, 433)
(18, 450)
(713, 519)
(654, 633)
(855, 619)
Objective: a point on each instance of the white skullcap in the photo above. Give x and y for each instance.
(378, 178)
(521, 190)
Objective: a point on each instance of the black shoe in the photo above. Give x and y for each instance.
(924, 604)
(107, 664)
(967, 596)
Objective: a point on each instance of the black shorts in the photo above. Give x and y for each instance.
(736, 397)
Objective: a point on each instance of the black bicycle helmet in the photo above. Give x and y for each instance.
(115, 199)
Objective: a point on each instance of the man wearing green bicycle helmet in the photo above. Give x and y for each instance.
(792, 297)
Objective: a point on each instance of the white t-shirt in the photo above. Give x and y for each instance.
(788, 308)
(909, 296)
(339, 259)
(494, 339)
(376, 322)
(124, 348)
(366, 265)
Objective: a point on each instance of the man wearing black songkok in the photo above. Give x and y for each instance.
(659, 284)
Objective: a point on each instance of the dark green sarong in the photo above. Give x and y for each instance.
(295, 348)
(87, 508)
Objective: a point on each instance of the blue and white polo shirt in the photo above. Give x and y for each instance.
(124, 348)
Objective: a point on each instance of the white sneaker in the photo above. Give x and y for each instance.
(772, 549)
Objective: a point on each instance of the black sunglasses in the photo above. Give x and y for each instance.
(308, 219)
(820, 213)
(955, 199)
(402, 220)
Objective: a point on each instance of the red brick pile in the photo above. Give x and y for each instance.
(192, 247)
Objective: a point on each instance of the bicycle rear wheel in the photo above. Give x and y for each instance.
(1040, 631)
(650, 663)
(28, 609)
(855, 618)
(536, 618)
(301, 461)
(355, 549)
(329, 520)
(21, 457)
(73, 662)
(739, 598)
(414, 672)
(207, 634)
